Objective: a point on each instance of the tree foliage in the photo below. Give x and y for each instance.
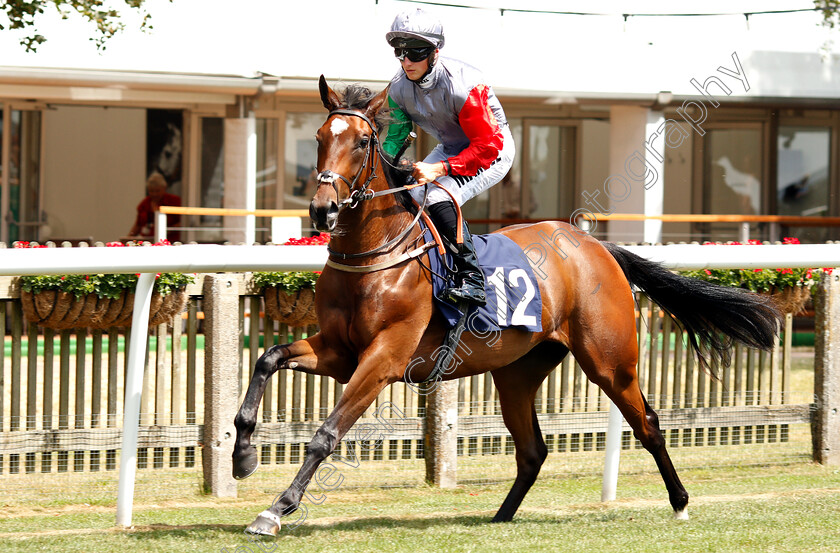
(830, 11)
(104, 14)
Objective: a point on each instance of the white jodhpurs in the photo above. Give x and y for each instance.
(463, 188)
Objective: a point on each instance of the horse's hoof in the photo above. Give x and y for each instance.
(682, 514)
(245, 463)
(265, 525)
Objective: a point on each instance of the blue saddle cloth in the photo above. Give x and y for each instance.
(513, 296)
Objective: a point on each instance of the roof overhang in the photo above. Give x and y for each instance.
(114, 87)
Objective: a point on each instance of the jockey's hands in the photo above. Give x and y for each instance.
(428, 172)
(406, 165)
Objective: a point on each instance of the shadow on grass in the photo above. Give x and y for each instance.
(174, 530)
(159, 531)
(370, 523)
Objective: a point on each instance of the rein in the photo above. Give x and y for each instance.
(363, 194)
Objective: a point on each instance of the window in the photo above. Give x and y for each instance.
(803, 184)
(511, 185)
(212, 176)
(301, 158)
(551, 170)
(24, 207)
(267, 197)
(732, 179)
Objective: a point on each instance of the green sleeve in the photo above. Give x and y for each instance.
(398, 129)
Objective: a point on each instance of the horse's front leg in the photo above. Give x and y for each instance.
(376, 370)
(311, 356)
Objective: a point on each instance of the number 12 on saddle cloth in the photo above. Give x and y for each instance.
(513, 296)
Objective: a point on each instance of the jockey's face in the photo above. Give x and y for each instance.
(415, 70)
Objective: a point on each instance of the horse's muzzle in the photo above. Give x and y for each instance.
(323, 216)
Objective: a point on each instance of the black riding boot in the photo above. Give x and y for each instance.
(469, 280)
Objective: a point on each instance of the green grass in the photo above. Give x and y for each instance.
(778, 508)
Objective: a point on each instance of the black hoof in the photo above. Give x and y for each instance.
(245, 463)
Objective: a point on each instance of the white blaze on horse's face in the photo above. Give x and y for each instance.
(338, 126)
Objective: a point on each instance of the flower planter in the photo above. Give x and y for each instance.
(62, 310)
(791, 299)
(293, 308)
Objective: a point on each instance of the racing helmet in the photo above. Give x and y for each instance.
(415, 29)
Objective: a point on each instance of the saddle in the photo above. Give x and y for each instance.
(511, 287)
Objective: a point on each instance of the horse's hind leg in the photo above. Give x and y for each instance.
(656, 446)
(619, 380)
(517, 384)
(310, 356)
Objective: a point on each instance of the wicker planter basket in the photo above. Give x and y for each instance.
(60, 310)
(292, 308)
(791, 299)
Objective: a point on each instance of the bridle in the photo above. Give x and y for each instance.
(329, 177)
(363, 193)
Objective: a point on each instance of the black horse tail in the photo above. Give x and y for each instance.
(712, 315)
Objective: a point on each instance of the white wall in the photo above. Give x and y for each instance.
(622, 193)
(94, 170)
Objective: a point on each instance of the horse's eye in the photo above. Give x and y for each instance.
(363, 143)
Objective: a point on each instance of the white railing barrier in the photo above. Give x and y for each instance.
(148, 261)
(133, 393)
(214, 258)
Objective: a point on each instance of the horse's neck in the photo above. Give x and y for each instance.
(373, 223)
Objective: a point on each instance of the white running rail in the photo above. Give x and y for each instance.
(214, 258)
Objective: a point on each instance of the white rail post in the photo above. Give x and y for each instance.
(160, 226)
(745, 233)
(613, 454)
(133, 391)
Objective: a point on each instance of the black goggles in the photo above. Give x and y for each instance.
(413, 54)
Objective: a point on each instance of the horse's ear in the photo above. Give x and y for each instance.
(377, 102)
(328, 97)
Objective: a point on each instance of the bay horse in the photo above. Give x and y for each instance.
(374, 307)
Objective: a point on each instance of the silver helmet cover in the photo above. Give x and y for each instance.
(412, 26)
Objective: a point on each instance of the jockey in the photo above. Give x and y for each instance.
(450, 101)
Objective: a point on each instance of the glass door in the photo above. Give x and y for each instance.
(21, 175)
(4, 174)
(550, 162)
(733, 173)
(803, 183)
(211, 177)
(268, 134)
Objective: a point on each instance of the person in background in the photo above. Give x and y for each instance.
(156, 196)
(451, 101)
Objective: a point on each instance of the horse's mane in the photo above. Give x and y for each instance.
(356, 96)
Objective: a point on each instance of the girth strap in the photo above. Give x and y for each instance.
(417, 252)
